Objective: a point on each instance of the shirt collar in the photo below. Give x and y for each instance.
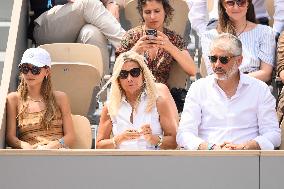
(244, 80)
(143, 96)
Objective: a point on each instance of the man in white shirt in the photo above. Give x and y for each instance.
(228, 110)
(199, 18)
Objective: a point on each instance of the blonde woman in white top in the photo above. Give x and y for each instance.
(140, 113)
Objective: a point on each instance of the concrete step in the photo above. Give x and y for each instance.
(2, 57)
(4, 31)
(6, 7)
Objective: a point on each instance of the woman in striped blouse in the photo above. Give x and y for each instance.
(238, 18)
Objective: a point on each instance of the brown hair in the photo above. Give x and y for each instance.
(225, 25)
(169, 11)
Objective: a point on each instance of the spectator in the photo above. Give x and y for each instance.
(161, 51)
(280, 73)
(136, 114)
(199, 19)
(228, 110)
(237, 18)
(83, 21)
(41, 116)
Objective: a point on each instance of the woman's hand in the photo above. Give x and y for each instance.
(129, 134)
(162, 41)
(143, 44)
(147, 132)
(25, 145)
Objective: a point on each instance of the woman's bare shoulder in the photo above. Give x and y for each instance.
(13, 96)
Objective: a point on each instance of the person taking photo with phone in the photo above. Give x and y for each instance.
(162, 50)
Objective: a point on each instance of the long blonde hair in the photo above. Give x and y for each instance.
(48, 97)
(116, 92)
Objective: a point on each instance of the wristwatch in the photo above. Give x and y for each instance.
(211, 146)
(160, 141)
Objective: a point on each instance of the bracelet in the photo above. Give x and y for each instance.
(61, 142)
(244, 147)
(113, 142)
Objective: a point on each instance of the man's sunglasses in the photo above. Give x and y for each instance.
(134, 72)
(24, 68)
(222, 59)
(240, 3)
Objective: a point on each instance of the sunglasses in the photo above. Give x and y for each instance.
(34, 69)
(222, 59)
(134, 72)
(231, 3)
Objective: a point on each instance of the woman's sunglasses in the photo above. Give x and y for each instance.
(222, 59)
(240, 3)
(34, 69)
(134, 72)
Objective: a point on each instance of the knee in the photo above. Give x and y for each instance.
(90, 34)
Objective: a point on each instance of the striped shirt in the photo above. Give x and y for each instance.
(258, 46)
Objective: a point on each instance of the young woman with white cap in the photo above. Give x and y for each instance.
(37, 116)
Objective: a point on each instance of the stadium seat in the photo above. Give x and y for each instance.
(83, 133)
(76, 70)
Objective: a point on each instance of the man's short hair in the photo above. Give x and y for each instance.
(227, 42)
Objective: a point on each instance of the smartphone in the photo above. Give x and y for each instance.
(151, 33)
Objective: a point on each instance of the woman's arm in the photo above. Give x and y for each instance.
(168, 117)
(11, 137)
(182, 57)
(264, 73)
(104, 131)
(68, 130)
(280, 57)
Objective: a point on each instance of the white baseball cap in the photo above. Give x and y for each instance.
(37, 57)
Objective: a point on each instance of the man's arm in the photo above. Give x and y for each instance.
(113, 7)
(187, 135)
(278, 25)
(269, 131)
(198, 15)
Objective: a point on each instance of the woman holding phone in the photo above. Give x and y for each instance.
(159, 45)
(136, 115)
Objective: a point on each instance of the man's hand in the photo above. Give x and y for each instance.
(113, 8)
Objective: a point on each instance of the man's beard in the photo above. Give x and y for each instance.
(226, 75)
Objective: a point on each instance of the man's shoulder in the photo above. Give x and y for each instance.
(253, 81)
(203, 82)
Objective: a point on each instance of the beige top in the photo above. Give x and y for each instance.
(30, 129)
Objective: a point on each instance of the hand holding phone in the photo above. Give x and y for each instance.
(152, 33)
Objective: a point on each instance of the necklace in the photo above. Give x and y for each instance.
(35, 100)
(243, 29)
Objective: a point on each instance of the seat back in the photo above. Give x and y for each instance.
(75, 52)
(180, 15)
(83, 132)
(178, 77)
(202, 68)
(76, 70)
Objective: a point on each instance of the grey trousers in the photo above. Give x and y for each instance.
(84, 21)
